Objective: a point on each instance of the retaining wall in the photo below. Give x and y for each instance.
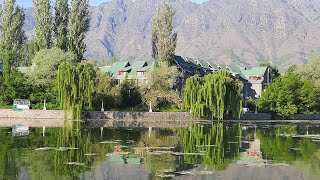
(55, 118)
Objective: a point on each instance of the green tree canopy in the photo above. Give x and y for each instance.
(78, 26)
(44, 24)
(45, 65)
(61, 24)
(164, 40)
(12, 36)
(160, 89)
(107, 91)
(289, 95)
(75, 88)
(311, 70)
(213, 95)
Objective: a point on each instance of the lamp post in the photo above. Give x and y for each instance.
(150, 108)
(257, 96)
(44, 105)
(102, 109)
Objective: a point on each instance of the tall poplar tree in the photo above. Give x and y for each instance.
(79, 25)
(164, 40)
(12, 37)
(43, 31)
(61, 24)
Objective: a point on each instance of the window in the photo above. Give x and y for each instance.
(255, 78)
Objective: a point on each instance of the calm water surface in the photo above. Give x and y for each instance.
(218, 151)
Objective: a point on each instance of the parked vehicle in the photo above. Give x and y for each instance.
(20, 130)
(21, 104)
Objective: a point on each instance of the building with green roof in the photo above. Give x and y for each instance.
(257, 79)
(254, 79)
(118, 66)
(21, 69)
(130, 72)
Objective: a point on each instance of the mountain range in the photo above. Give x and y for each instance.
(238, 32)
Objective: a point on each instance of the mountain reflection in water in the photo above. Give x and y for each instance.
(218, 151)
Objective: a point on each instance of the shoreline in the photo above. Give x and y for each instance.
(56, 118)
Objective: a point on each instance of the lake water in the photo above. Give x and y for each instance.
(218, 151)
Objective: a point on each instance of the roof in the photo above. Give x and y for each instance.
(126, 69)
(118, 66)
(204, 64)
(223, 67)
(183, 64)
(212, 64)
(22, 69)
(189, 65)
(105, 69)
(137, 66)
(259, 71)
(150, 66)
(236, 70)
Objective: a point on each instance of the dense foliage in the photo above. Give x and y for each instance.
(11, 43)
(45, 66)
(61, 21)
(106, 91)
(290, 95)
(12, 37)
(160, 90)
(79, 25)
(213, 96)
(75, 87)
(164, 40)
(44, 24)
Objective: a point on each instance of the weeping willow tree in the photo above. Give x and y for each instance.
(75, 88)
(213, 95)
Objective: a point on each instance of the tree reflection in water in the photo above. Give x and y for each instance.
(218, 145)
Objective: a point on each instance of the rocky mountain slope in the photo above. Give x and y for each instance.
(240, 32)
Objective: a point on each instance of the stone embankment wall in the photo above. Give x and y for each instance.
(55, 118)
(32, 118)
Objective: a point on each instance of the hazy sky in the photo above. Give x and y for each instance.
(28, 3)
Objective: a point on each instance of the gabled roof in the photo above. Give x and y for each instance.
(22, 69)
(183, 64)
(222, 66)
(137, 66)
(189, 65)
(145, 68)
(258, 71)
(118, 66)
(212, 64)
(204, 64)
(126, 69)
(236, 70)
